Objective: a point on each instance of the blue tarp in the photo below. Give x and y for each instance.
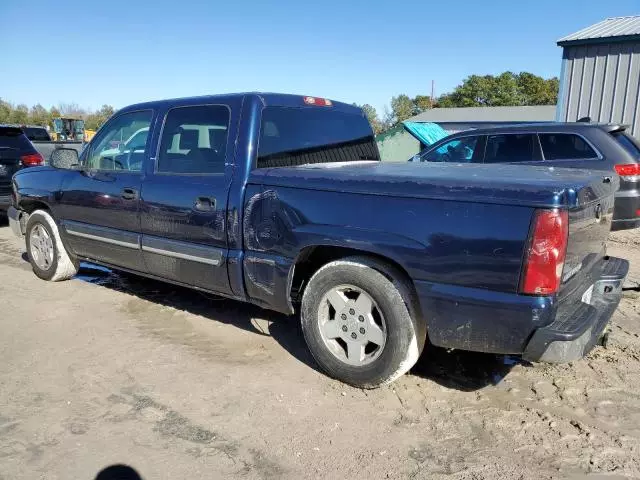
(427, 133)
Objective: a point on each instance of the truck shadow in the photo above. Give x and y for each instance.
(465, 371)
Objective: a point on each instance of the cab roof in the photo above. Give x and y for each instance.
(267, 99)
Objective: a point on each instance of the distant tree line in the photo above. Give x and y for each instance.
(506, 89)
(38, 115)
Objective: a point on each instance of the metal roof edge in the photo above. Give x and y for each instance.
(599, 40)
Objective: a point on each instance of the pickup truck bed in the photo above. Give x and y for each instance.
(281, 201)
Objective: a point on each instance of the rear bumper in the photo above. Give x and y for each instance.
(625, 214)
(498, 322)
(575, 332)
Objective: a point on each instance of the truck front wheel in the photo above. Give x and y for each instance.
(357, 321)
(47, 255)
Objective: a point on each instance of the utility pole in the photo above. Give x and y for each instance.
(433, 91)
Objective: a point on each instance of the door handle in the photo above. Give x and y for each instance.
(129, 193)
(205, 204)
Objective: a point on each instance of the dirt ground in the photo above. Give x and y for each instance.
(105, 369)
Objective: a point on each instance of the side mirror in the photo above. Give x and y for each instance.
(65, 158)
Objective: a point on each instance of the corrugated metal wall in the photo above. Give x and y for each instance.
(602, 82)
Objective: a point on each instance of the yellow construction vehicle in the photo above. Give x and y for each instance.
(88, 134)
(65, 129)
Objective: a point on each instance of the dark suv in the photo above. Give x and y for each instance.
(16, 152)
(590, 146)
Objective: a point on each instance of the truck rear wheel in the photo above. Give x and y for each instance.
(47, 255)
(357, 321)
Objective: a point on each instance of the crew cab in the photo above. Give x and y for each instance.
(585, 145)
(282, 201)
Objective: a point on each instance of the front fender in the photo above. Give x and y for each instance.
(38, 186)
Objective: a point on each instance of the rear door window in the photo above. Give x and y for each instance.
(565, 146)
(299, 136)
(511, 148)
(461, 150)
(194, 140)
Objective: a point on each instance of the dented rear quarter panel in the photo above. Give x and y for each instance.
(460, 240)
(436, 240)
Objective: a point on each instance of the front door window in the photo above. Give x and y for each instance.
(122, 144)
(460, 150)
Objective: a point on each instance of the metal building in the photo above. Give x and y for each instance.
(600, 76)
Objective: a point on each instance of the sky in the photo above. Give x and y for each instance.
(123, 52)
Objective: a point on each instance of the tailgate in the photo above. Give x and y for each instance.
(9, 164)
(590, 216)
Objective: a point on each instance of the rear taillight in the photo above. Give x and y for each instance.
(544, 259)
(628, 169)
(32, 160)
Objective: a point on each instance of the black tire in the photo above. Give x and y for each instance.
(406, 332)
(63, 265)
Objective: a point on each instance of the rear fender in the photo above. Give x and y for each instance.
(269, 279)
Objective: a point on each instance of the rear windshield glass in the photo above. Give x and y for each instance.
(37, 134)
(299, 136)
(10, 138)
(628, 143)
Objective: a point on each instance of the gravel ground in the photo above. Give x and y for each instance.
(105, 369)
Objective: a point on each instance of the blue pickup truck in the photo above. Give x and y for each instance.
(282, 201)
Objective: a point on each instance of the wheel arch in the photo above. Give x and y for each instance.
(313, 257)
(30, 205)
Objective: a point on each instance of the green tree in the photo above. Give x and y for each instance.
(388, 119)
(72, 110)
(421, 103)
(20, 114)
(537, 90)
(38, 115)
(94, 120)
(402, 108)
(372, 116)
(505, 89)
(5, 111)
